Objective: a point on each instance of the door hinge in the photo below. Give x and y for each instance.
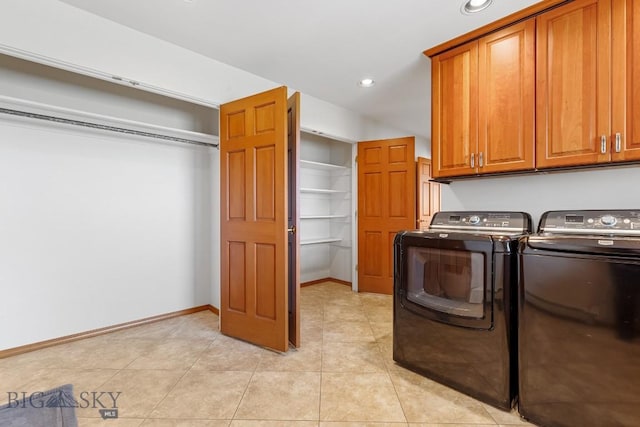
(356, 267)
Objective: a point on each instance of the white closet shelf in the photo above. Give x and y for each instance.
(323, 216)
(63, 116)
(342, 245)
(321, 191)
(318, 241)
(326, 218)
(322, 166)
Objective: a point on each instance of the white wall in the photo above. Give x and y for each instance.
(98, 229)
(608, 188)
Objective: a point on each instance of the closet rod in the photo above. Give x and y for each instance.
(103, 127)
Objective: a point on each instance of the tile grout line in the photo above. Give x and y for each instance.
(388, 371)
(178, 381)
(324, 303)
(244, 393)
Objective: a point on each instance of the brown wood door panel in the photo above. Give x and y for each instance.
(506, 113)
(386, 205)
(455, 110)
(372, 207)
(372, 247)
(237, 300)
(573, 81)
(253, 152)
(625, 98)
(265, 272)
(428, 194)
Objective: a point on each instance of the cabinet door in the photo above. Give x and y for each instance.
(455, 111)
(506, 110)
(625, 97)
(573, 80)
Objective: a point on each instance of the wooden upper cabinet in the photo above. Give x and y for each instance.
(556, 90)
(454, 111)
(506, 125)
(588, 63)
(484, 103)
(573, 84)
(625, 96)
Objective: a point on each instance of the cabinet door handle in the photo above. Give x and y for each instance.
(618, 142)
(473, 160)
(603, 144)
(480, 160)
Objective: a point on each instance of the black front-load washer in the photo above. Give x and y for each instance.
(454, 317)
(579, 324)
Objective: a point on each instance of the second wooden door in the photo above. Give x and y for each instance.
(386, 205)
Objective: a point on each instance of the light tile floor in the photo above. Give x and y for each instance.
(183, 372)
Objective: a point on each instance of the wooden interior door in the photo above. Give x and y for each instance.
(293, 217)
(625, 98)
(506, 111)
(386, 205)
(253, 219)
(573, 62)
(428, 194)
(454, 111)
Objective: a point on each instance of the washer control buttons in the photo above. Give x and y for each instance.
(609, 220)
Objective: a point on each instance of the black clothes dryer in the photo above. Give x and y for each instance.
(454, 317)
(579, 320)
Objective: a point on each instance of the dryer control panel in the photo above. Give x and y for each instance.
(605, 222)
(499, 222)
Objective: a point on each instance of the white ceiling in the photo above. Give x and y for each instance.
(322, 48)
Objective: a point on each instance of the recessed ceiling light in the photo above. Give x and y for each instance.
(368, 82)
(473, 6)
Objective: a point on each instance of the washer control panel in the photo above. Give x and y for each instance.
(512, 222)
(614, 222)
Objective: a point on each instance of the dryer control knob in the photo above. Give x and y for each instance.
(608, 220)
(474, 219)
